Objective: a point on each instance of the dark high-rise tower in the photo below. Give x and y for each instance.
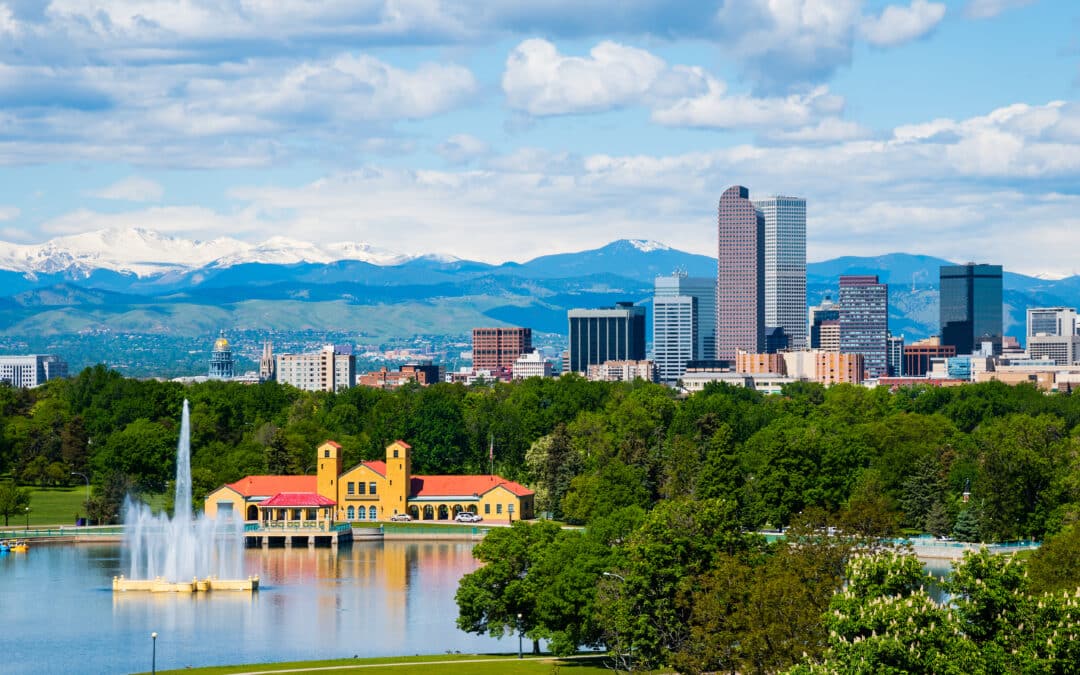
(608, 334)
(864, 322)
(740, 275)
(971, 306)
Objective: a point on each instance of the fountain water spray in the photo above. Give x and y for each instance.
(188, 546)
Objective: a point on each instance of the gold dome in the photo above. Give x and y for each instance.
(221, 345)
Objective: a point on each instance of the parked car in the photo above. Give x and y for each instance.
(400, 518)
(467, 517)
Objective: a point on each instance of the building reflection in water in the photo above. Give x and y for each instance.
(369, 599)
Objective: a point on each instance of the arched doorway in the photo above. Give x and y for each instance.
(456, 510)
(429, 512)
(414, 513)
(444, 513)
(472, 509)
(253, 512)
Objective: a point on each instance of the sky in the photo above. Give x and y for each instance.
(503, 130)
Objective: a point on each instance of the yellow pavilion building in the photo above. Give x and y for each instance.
(375, 490)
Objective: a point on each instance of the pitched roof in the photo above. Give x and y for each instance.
(402, 443)
(333, 443)
(298, 499)
(265, 486)
(461, 486)
(378, 466)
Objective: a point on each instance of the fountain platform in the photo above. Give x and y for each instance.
(159, 585)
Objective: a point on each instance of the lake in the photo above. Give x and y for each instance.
(58, 613)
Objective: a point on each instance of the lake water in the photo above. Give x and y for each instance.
(58, 613)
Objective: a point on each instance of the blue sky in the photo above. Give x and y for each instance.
(504, 130)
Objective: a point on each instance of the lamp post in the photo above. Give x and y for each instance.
(27, 519)
(87, 479)
(510, 510)
(519, 635)
(153, 654)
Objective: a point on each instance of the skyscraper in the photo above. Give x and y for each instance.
(864, 321)
(1052, 334)
(785, 265)
(895, 358)
(971, 306)
(608, 334)
(740, 275)
(826, 311)
(684, 323)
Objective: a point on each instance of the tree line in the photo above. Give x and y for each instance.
(979, 462)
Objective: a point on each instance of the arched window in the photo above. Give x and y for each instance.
(352, 513)
(472, 508)
(429, 512)
(414, 512)
(372, 513)
(456, 510)
(444, 513)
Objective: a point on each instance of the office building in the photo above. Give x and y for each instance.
(1052, 335)
(971, 306)
(684, 323)
(829, 335)
(828, 368)
(623, 371)
(740, 275)
(864, 322)
(267, 365)
(31, 370)
(221, 360)
(776, 340)
(894, 360)
(532, 364)
(331, 369)
(754, 364)
(919, 356)
(607, 334)
(820, 314)
(785, 265)
(495, 348)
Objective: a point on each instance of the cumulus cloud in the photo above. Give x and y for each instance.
(462, 148)
(540, 81)
(987, 9)
(9, 213)
(897, 25)
(132, 189)
(715, 109)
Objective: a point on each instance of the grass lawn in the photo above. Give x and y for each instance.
(58, 506)
(458, 664)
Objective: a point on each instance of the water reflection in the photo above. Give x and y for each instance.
(371, 599)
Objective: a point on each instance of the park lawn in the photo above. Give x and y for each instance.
(457, 664)
(58, 506)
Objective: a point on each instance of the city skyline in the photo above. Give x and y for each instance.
(449, 126)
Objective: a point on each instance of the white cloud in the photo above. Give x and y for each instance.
(462, 148)
(540, 81)
(897, 25)
(715, 109)
(172, 219)
(132, 189)
(987, 9)
(9, 213)
(828, 130)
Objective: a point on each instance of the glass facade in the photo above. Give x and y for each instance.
(971, 306)
(740, 275)
(864, 322)
(610, 334)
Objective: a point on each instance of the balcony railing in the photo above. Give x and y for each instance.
(288, 525)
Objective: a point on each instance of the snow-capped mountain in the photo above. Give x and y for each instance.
(145, 252)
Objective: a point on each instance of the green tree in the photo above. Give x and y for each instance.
(1055, 566)
(491, 599)
(13, 501)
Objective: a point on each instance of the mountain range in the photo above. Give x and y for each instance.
(140, 281)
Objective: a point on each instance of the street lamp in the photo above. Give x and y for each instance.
(153, 654)
(27, 519)
(510, 509)
(519, 635)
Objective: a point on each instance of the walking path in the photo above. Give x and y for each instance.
(315, 669)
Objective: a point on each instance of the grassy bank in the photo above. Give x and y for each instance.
(457, 664)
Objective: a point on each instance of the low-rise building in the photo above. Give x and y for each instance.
(330, 369)
(532, 364)
(31, 370)
(746, 362)
(623, 371)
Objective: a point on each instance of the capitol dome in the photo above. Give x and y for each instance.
(221, 345)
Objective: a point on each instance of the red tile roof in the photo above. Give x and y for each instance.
(333, 443)
(403, 444)
(298, 499)
(378, 466)
(265, 486)
(462, 486)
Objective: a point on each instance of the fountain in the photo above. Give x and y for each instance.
(165, 553)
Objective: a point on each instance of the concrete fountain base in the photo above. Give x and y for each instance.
(159, 585)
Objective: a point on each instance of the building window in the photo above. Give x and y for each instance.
(358, 516)
(352, 488)
(372, 513)
(371, 488)
(487, 509)
(361, 484)
(395, 453)
(326, 453)
(498, 508)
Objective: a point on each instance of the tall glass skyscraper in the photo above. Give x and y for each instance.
(684, 323)
(971, 306)
(864, 322)
(608, 334)
(740, 275)
(785, 266)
